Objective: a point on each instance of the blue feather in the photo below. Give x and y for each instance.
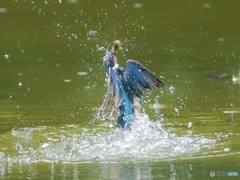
(127, 83)
(140, 79)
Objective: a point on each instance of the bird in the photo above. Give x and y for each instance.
(125, 85)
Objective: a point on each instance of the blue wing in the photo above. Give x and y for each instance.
(140, 79)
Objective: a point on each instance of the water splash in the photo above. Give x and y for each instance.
(150, 142)
(147, 140)
(24, 133)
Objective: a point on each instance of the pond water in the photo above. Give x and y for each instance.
(52, 85)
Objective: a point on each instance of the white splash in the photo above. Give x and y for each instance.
(146, 141)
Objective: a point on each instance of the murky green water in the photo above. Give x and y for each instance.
(52, 84)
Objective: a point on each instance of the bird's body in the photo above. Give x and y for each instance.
(126, 84)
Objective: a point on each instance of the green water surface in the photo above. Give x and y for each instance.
(52, 80)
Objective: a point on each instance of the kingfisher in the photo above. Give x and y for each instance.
(125, 85)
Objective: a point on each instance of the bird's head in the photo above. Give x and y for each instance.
(109, 59)
(117, 46)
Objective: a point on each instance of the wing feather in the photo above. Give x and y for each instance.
(140, 79)
(112, 91)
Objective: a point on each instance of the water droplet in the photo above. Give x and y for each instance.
(20, 84)
(176, 110)
(207, 5)
(19, 148)
(189, 124)
(31, 151)
(9, 159)
(82, 73)
(72, 1)
(62, 137)
(1, 154)
(92, 33)
(6, 56)
(171, 89)
(67, 80)
(221, 39)
(3, 10)
(101, 48)
(75, 36)
(189, 133)
(44, 145)
(227, 149)
(137, 5)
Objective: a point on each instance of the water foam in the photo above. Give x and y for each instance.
(146, 141)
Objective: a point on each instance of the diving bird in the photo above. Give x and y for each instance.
(124, 85)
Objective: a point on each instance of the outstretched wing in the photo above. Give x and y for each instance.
(140, 79)
(113, 89)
